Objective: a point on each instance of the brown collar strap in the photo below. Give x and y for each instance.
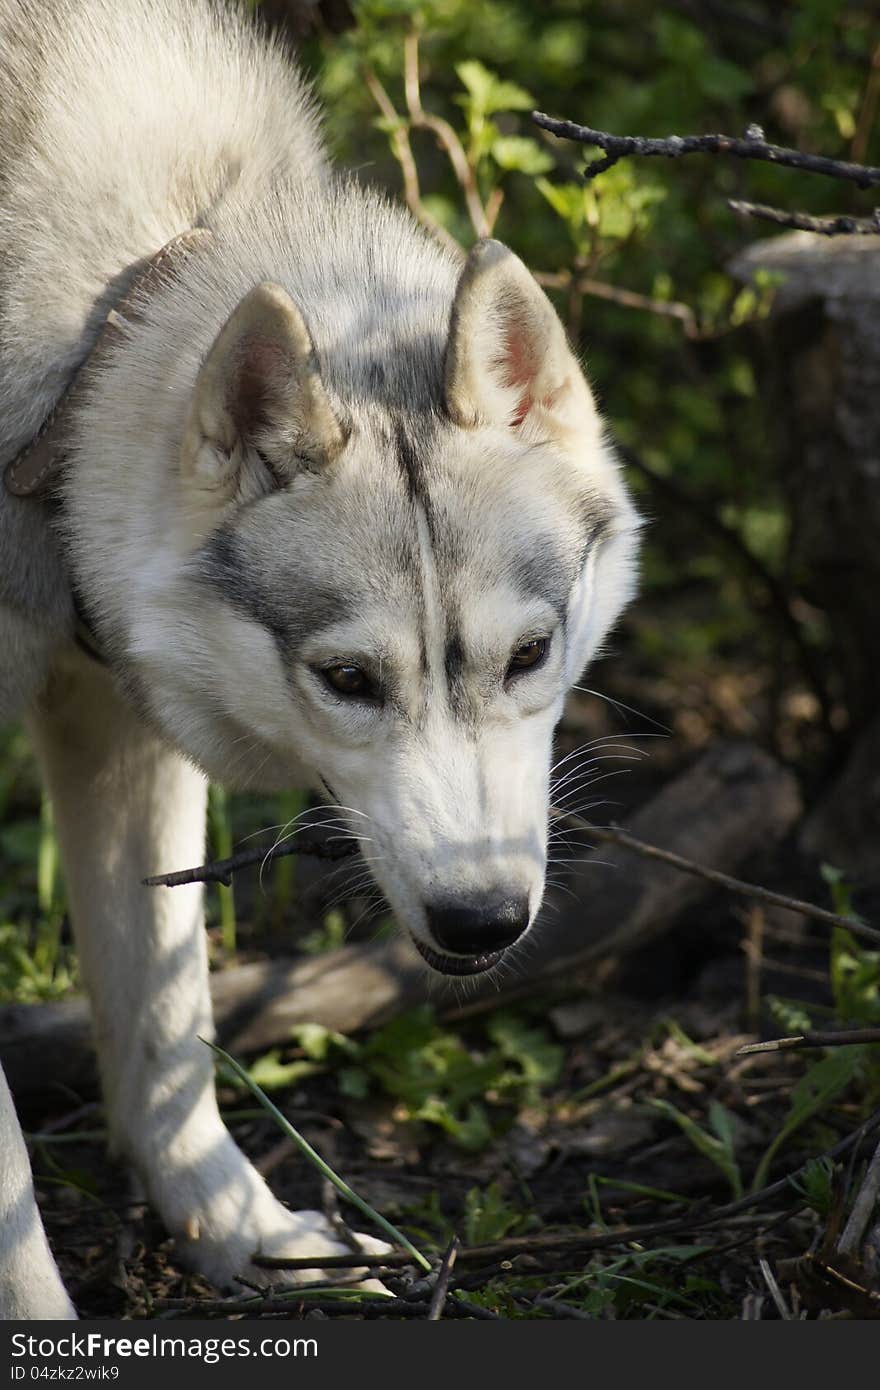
(35, 468)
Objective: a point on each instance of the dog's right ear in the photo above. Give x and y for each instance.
(260, 412)
(507, 358)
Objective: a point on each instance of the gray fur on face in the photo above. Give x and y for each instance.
(282, 598)
(432, 544)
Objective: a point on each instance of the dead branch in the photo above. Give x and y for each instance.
(751, 146)
(401, 148)
(844, 1037)
(483, 217)
(629, 299)
(779, 599)
(862, 1208)
(732, 801)
(614, 835)
(447, 1265)
(570, 1241)
(221, 870)
(803, 222)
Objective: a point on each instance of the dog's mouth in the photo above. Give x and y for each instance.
(457, 965)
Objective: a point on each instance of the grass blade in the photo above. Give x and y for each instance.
(314, 1157)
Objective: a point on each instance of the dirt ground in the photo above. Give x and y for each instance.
(538, 1205)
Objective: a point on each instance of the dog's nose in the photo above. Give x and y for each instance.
(477, 925)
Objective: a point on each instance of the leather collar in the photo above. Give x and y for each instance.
(34, 469)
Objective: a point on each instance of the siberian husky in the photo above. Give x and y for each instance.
(337, 510)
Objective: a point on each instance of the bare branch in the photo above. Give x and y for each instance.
(438, 1299)
(509, 1246)
(803, 222)
(630, 299)
(448, 140)
(751, 146)
(221, 870)
(844, 1037)
(862, 1208)
(402, 151)
(613, 835)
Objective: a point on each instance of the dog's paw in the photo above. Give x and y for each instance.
(281, 1233)
(223, 1216)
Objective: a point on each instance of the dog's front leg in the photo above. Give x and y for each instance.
(30, 1285)
(126, 806)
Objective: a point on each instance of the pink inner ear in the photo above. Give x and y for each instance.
(260, 369)
(518, 366)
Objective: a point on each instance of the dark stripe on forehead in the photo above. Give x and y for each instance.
(286, 603)
(550, 567)
(410, 457)
(408, 460)
(454, 670)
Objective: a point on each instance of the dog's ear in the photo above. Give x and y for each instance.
(507, 360)
(260, 412)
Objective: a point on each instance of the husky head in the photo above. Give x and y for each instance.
(401, 594)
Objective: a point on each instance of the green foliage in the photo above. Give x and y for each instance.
(815, 1185)
(821, 1084)
(438, 1080)
(717, 1143)
(466, 1092)
(658, 228)
(487, 1216)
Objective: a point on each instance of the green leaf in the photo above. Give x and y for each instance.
(718, 1147)
(815, 1184)
(540, 1060)
(815, 1091)
(520, 153)
(271, 1073)
(489, 93)
(487, 1216)
(319, 1043)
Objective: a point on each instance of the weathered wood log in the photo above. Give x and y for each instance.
(734, 801)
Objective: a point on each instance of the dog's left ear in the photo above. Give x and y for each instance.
(507, 360)
(260, 412)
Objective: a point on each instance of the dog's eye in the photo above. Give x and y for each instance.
(348, 680)
(528, 655)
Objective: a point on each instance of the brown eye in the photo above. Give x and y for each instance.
(348, 680)
(528, 655)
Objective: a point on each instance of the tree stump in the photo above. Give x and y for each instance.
(823, 368)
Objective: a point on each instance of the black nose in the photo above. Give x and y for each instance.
(478, 924)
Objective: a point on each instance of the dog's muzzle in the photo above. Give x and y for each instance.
(472, 935)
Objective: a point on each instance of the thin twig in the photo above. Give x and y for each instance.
(438, 1298)
(862, 1208)
(577, 1241)
(221, 870)
(751, 146)
(779, 599)
(614, 835)
(846, 1037)
(482, 217)
(629, 299)
(775, 1291)
(330, 1307)
(804, 222)
(394, 1259)
(401, 148)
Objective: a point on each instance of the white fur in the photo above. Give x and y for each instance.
(325, 441)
